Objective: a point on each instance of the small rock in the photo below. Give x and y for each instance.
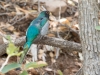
(53, 5)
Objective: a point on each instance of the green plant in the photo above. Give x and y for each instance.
(33, 65)
(26, 66)
(12, 50)
(59, 72)
(97, 27)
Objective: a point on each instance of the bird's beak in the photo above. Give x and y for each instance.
(50, 13)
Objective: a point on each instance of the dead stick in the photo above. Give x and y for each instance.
(56, 42)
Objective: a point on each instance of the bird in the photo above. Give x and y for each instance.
(39, 26)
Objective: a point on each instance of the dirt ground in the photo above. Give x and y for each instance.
(11, 24)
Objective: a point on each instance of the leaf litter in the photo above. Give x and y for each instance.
(15, 17)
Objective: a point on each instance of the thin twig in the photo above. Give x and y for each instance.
(80, 72)
(43, 8)
(3, 65)
(1, 14)
(3, 35)
(69, 28)
(13, 18)
(19, 20)
(59, 13)
(39, 6)
(5, 8)
(2, 7)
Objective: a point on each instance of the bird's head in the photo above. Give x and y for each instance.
(45, 14)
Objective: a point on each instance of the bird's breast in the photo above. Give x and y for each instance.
(45, 28)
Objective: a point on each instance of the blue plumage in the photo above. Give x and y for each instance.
(38, 26)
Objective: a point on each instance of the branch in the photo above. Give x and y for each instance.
(56, 42)
(5, 63)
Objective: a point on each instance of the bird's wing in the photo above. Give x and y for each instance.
(37, 26)
(32, 33)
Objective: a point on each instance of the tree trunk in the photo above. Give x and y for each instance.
(90, 37)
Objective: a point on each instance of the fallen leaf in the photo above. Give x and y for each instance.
(48, 69)
(51, 54)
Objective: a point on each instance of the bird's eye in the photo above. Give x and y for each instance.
(47, 12)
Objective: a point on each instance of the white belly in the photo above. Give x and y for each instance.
(44, 29)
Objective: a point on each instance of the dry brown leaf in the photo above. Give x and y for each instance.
(65, 21)
(48, 69)
(12, 13)
(74, 70)
(12, 72)
(76, 27)
(78, 64)
(62, 29)
(51, 35)
(9, 27)
(41, 62)
(52, 18)
(71, 2)
(32, 72)
(5, 6)
(53, 60)
(40, 56)
(76, 14)
(18, 12)
(53, 25)
(26, 12)
(2, 3)
(51, 54)
(41, 51)
(16, 33)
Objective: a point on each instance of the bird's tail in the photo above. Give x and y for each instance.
(25, 49)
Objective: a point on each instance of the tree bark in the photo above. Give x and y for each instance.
(56, 42)
(90, 37)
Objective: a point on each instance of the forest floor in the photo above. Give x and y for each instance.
(15, 19)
